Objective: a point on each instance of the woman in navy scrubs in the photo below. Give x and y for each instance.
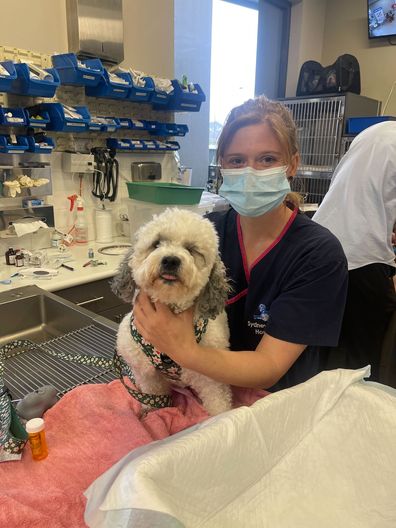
(288, 274)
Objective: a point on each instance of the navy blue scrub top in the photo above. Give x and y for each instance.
(294, 291)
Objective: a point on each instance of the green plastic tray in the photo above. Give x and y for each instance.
(164, 193)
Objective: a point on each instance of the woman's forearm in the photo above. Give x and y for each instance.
(242, 369)
(261, 368)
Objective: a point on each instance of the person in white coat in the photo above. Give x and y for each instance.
(360, 210)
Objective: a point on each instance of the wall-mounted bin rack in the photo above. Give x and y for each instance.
(78, 72)
(141, 94)
(65, 118)
(14, 145)
(34, 81)
(45, 146)
(12, 117)
(36, 118)
(109, 87)
(183, 100)
(8, 74)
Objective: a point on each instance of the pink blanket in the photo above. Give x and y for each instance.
(88, 430)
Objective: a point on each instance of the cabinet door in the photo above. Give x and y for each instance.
(116, 313)
(95, 296)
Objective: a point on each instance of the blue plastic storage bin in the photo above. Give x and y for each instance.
(7, 146)
(183, 100)
(150, 144)
(141, 94)
(358, 124)
(119, 144)
(171, 145)
(124, 122)
(7, 80)
(159, 99)
(109, 88)
(151, 126)
(36, 118)
(42, 147)
(103, 124)
(17, 117)
(62, 121)
(26, 85)
(181, 130)
(140, 144)
(71, 70)
(138, 124)
(94, 124)
(169, 129)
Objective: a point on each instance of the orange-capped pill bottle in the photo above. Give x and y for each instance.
(37, 441)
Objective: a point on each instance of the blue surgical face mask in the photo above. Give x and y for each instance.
(254, 192)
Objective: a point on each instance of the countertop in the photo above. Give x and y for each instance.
(66, 278)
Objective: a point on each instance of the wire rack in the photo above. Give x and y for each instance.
(30, 366)
(319, 129)
(319, 124)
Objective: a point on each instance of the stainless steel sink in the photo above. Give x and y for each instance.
(40, 333)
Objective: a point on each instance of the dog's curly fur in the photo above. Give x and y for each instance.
(175, 260)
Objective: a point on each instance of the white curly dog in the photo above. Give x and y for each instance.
(175, 260)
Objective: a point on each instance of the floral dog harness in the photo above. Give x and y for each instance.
(160, 361)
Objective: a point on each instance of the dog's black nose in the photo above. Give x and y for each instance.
(170, 263)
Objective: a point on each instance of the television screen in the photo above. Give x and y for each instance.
(381, 15)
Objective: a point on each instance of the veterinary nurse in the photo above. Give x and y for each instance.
(360, 209)
(288, 274)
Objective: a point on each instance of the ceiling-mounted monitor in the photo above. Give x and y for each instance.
(381, 19)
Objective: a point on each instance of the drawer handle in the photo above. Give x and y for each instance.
(90, 301)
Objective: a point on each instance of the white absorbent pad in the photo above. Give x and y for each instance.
(319, 455)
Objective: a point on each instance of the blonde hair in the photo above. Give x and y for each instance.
(279, 119)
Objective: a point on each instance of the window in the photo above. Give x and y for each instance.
(250, 41)
(233, 60)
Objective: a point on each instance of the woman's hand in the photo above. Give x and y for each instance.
(171, 334)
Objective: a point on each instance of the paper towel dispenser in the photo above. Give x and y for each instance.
(95, 29)
(145, 171)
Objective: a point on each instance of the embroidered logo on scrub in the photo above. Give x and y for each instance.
(260, 319)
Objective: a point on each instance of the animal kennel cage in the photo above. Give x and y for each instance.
(321, 132)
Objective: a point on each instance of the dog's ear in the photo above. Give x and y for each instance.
(123, 284)
(211, 300)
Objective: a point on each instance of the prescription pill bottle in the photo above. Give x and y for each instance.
(36, 432)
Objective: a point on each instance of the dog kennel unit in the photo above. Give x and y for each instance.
(321, 131)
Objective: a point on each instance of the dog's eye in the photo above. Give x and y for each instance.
(193, 250)
(156, 244)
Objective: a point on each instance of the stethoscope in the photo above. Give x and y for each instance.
(106, 174)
